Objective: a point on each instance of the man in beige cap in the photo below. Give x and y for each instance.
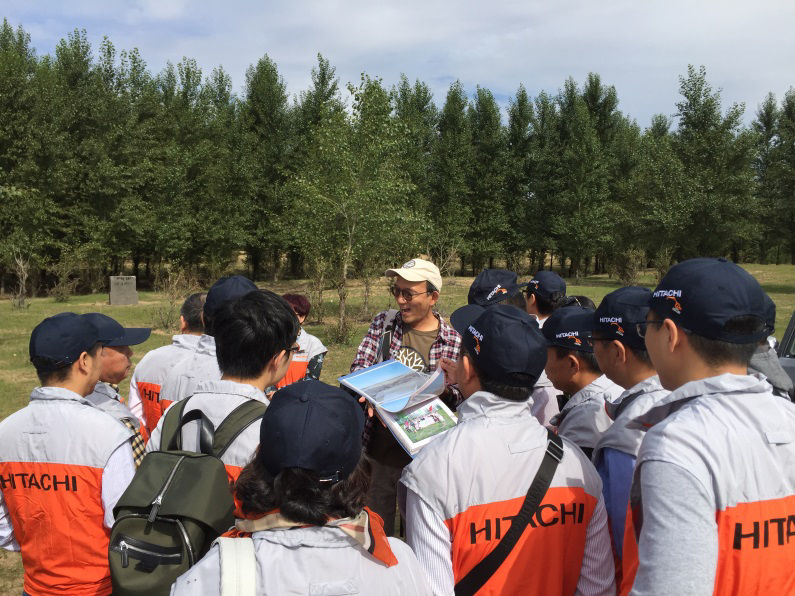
(417, 336)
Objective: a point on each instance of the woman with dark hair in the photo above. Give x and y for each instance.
(302, 498)
(308, 361)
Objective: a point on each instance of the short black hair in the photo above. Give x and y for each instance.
(584, 357)
(191, 312)
(716, 352)
(59, 375)
(430, 288)
(500, 389)
(518, 300)
(251, 330)
(299, 494)
(547, 307)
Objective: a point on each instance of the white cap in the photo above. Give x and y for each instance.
(418, 270)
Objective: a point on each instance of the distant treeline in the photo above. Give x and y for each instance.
(106, 167)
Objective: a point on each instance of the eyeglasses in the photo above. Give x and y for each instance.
(293, 350)
(641, 327)
(408, 295)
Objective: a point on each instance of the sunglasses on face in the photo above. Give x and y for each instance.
(407, 295)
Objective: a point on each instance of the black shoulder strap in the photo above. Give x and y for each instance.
(480, 574)
(235, 423)
(168, 432)
(389, 331)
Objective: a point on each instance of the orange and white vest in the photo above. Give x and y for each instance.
(200, 365)
(52, 456)
(738, 440)
(476, 476)
(310, 347)
(217, 399)
(150, 374)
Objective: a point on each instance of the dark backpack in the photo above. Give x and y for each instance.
(176, 505)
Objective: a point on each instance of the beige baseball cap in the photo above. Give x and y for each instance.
(418, 270)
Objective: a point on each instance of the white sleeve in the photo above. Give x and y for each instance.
(429, 538)
(7, 540)
(597, 574)
(116, 477)
(134, 401)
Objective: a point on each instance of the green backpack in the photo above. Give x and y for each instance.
(176, 505)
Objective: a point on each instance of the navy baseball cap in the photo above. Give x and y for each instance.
(59, 340)
(505, 343)
(224, 290)
(492, 286)
(548, 285)
(703, 295)
(111, 333)
(314, 426)
(618, 313)
(570, 328)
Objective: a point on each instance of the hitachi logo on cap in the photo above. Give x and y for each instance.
(498, 290)
(610, 320)
(667, 293)
(567, 334)
(409, 264)
(477, 334)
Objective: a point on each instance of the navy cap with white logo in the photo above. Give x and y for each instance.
(547, 285)
(224, 290)
(505, 343)
(618, 314)
(492, 286)
(111, 333)
(570, 328)
(59, 340)
(314, 426)
(703, 295)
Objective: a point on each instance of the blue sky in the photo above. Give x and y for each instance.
(641, 47)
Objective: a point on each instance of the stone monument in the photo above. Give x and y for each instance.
(122, 290)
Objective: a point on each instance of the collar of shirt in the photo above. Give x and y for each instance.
(206, 345)
(650, 385)
(55, 393)
(483, 403)
(106, 390)
(230, 388)
(724, 384)
(595, 388)
(187, 341)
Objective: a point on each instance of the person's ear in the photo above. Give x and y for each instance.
(183, 326)
(673, 335)
(574, 364)
(85, 362)
(618, 351)
(434, 297)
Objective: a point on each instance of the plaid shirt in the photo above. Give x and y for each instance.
(447, 345)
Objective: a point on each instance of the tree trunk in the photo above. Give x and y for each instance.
(368, 282)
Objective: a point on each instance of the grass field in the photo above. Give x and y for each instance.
(17, 377)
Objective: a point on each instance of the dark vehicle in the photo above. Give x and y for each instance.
(786, 349)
